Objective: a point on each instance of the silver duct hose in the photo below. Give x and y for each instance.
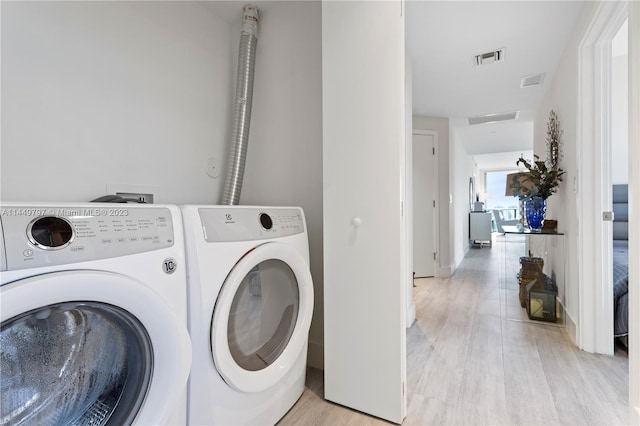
(242, 107)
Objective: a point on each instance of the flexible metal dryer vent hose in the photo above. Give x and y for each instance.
(242, 106)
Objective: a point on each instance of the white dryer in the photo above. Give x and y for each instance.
(94, 317)
(250, 308)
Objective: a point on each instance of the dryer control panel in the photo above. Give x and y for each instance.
(229, 223)
(58, 235)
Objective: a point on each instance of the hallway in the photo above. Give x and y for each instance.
(466, 365)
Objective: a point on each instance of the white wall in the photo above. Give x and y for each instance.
(462, 169)
(140, 93)
(562, 97)
(95, 93)
(445, 264)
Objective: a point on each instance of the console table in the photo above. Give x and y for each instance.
(533, 275)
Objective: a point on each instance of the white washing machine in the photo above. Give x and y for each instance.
(94, 314)
(250, 308)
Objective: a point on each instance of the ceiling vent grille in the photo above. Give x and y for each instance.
(532, 80)
(489, 57)
(492, 118)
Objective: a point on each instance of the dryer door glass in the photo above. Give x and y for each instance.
(263, 315)
(77, 363)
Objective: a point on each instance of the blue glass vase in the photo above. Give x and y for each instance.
(534, 210)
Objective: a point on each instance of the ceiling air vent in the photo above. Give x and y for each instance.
(490, 57)
(532, 80)
(492, 118)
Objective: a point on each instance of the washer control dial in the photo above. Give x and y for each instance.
(266, 221)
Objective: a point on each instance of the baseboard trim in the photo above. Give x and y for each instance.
(571, 327)
(445, 271)
(411, 314)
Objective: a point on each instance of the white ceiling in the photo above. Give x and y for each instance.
(442, 39)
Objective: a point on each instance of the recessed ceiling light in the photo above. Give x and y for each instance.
(492, 118)
(532, 80)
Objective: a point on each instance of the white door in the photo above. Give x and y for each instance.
(363, 163)
(424, 235)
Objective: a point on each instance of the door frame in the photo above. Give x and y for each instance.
(436, 245)
(634, 213)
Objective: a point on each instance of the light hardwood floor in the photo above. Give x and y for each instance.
(467, 365)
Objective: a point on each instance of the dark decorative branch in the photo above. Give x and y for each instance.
(553, 140)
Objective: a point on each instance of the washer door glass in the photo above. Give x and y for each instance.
(263, 315)
(74, 363)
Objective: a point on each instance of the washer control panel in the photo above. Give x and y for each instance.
(225, 223)
(46, 236)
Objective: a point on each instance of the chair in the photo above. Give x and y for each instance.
(498, 217)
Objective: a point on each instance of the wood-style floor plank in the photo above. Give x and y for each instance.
(527, 390)
(467, 364)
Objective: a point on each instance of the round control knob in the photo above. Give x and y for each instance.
(265, 221)
(50, 232)
(356, 222)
